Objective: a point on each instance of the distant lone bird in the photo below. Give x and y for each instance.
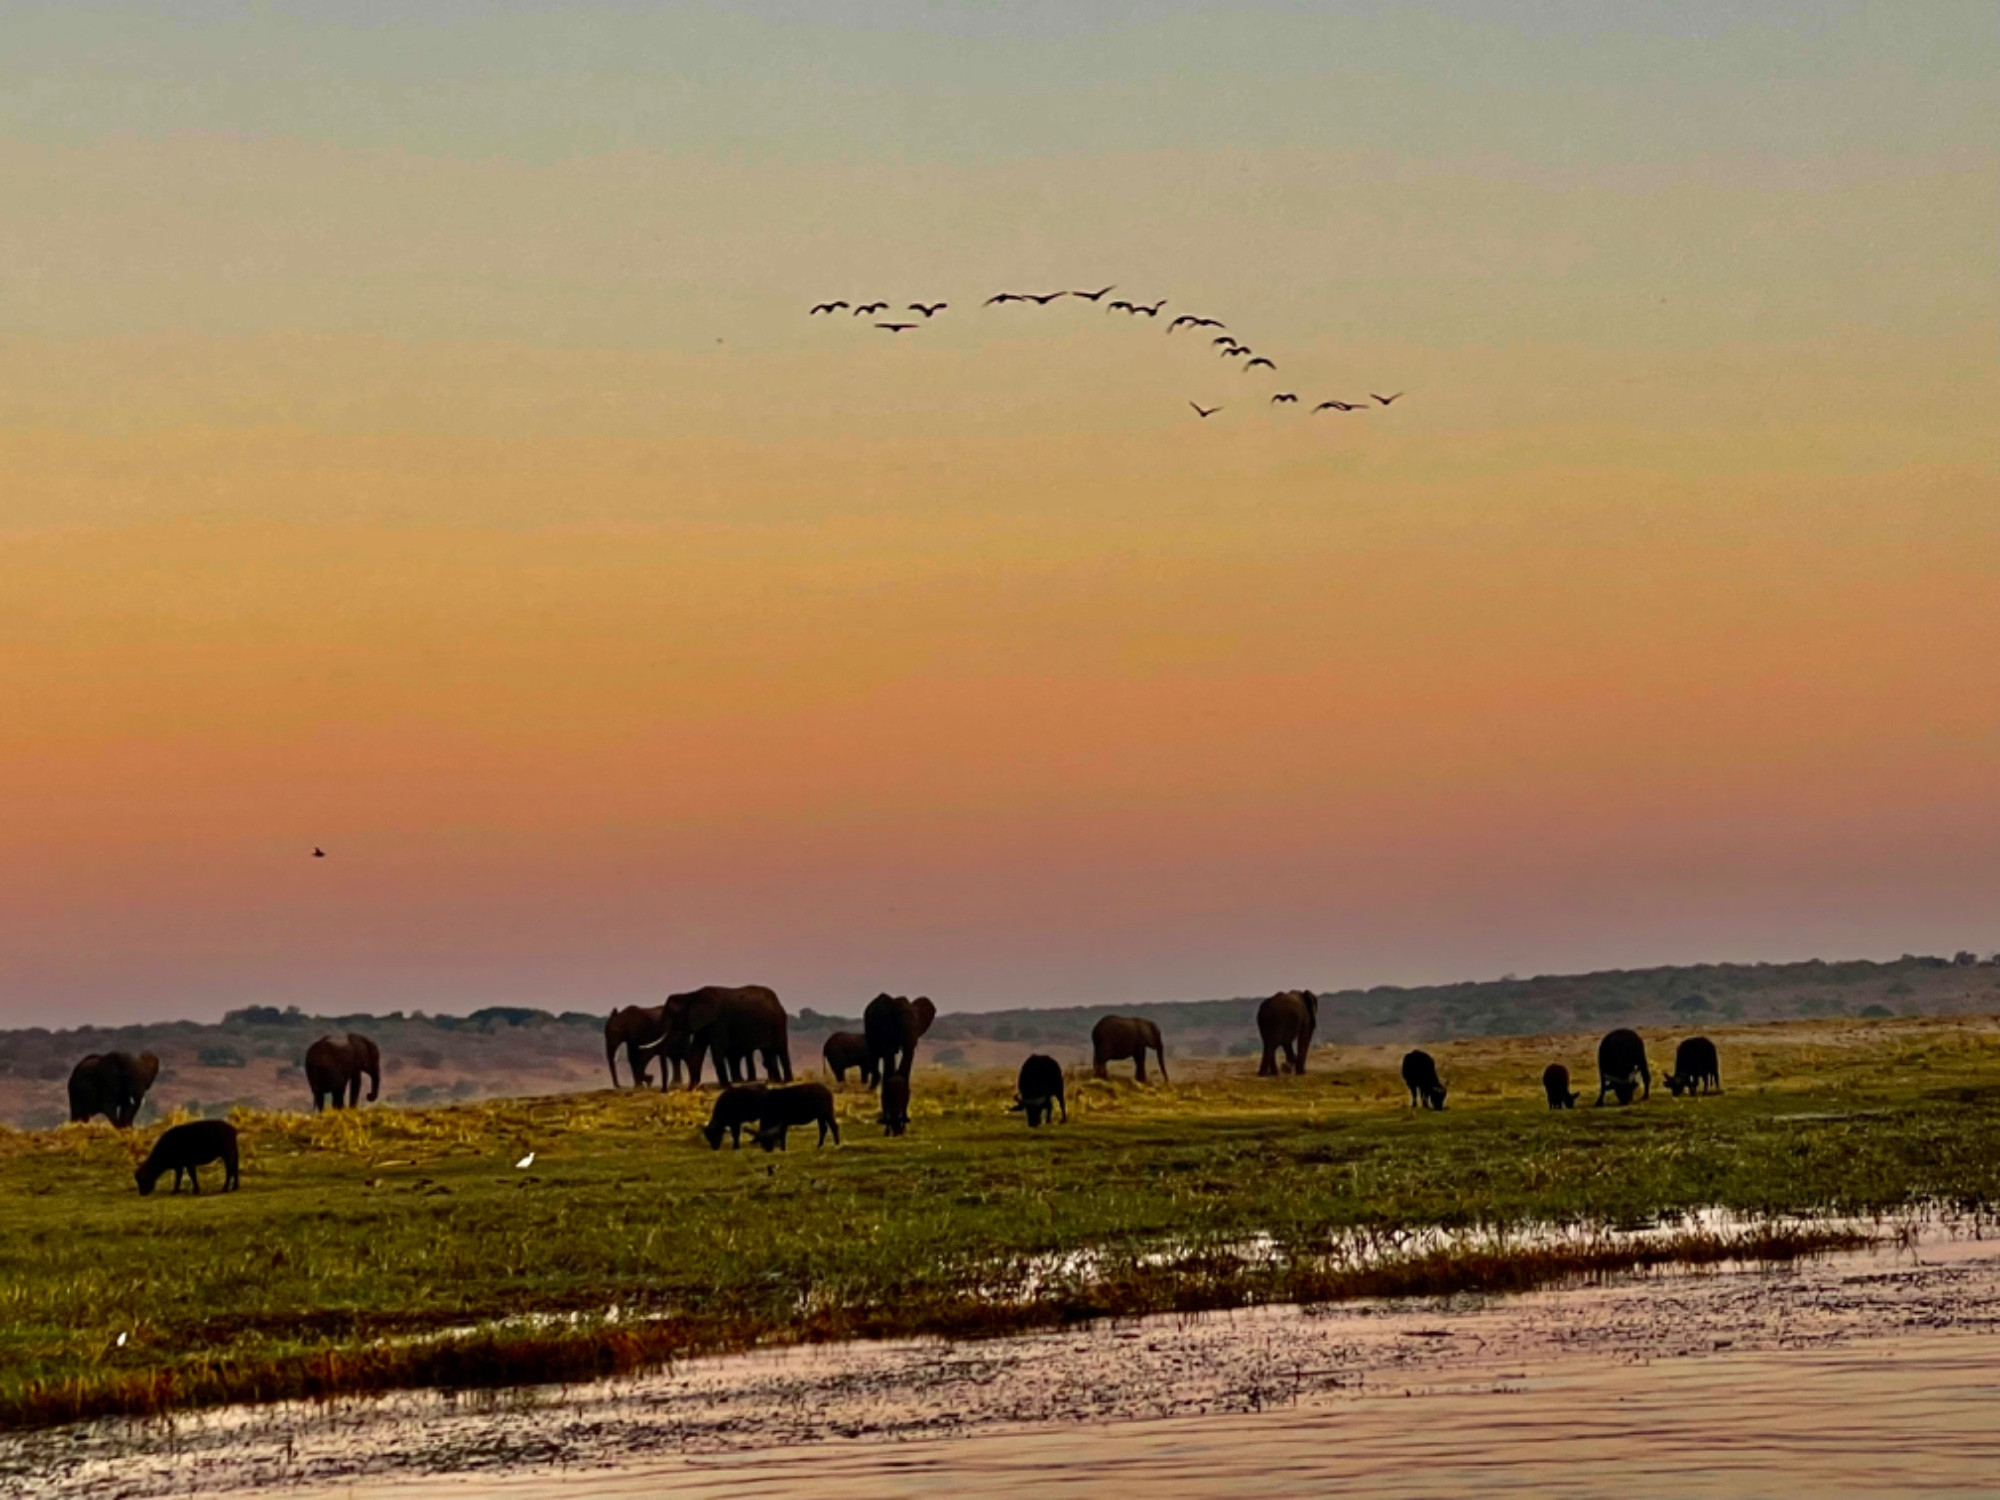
(1338, 406)
(1204, 412)
(318, 853)
(931, 311)
(896, 327)
(525, 1162)
(1286, 396)
(867, 309)
(1093, 296)
(1259, 360)
(826, 307)
(1189, 320)
(1385, 400)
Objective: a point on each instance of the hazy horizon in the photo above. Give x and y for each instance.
(415, 445)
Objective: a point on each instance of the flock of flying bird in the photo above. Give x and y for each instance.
(1225, 343)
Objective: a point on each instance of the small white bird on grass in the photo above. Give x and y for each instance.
(121, 1341)
(526, 1162)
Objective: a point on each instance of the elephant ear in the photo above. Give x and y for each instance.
(926, 1013)
(1312, 1003)
(149, 1069)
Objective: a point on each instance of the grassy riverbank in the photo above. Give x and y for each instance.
(402, 1247)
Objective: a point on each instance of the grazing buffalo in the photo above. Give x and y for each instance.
(1420, 1072)
(739, 1104)
(1621, 1058)
(112, 1084)
(1039, 1090)
(185, 1147)
(1287, 1020)
(335, 1066)
(1116, 1038)
(892, 1024)
(895, 1104)
(849, 1049)
(1555, 1083)
(1696, 1069)
(797, 1104)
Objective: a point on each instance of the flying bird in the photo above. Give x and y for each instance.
(1204, 412)
(1189, 320)
(1152, 311)
(1005, 297)
(1093, 296)
(1043, 299)
(1259, 360)
(1286, 396)
(826, 307)
(1221, 339)
(525, 1162)
(896, 327)
(868, 308)
(318, 853)
(930, 311)
(1121, 305)
(1338, 406)
(1236, 351)
(1385, 400)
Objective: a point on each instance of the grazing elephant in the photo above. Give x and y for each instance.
(1038, 1092)
(183, 1148)
(1621, 1057)
(1420, 1072)
(1288, 1020)
(334, 1066)
(732, 1026)
(1116, 1038)
(112, 1084)
(1555, 1083)
(849, 1049)
(1696, 1068)
(892, 1024)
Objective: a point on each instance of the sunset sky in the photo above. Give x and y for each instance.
(413, 442)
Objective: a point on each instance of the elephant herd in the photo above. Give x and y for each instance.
(114, 1084)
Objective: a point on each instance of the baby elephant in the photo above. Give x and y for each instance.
(797, 1104)
(1420, 1072)
(736, 1106)
(1038, 1091)
(1555, 1083)
(895, 1105)
(185, 1147)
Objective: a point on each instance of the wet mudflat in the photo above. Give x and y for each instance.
(1865, 1373)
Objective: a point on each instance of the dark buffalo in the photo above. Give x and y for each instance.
(797, 1104)
(892, 1025)
(895, 1104)
(739, 1104)
(1696, 1068)
(1039, 1090)
(1621, 1057)
(1287, 1021)
(185, 1147)
(1555, 1083)
(112, 1084)
(849, 1049)
(1420, 1072)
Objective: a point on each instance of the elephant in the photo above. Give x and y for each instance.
(849, 1049)
(1621, 1057)
(1116, 1038)
(1288, 1020)
(334, 1066)
(112, 1084)
(892, 1024)
(732, 1026)
(641, 1030)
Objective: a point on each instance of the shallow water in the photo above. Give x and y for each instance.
(1862, 1374)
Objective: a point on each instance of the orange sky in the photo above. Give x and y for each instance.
(496, 519)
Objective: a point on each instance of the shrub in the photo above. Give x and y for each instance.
(221, 1056)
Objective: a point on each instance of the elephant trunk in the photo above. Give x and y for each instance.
(374, 1081)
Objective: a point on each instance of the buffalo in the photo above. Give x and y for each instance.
(1555, 1083)
(1621, 1057)
(796, 1104)
(182, 1148)
(738, 1104)
(1696, 1069)
(1038, 1091)
(895, 1104)
(1420, 1073)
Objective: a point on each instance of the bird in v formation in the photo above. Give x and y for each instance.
(1226, 343)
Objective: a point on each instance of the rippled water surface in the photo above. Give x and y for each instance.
(1873, 1373)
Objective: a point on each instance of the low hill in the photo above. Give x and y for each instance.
(253, 1055)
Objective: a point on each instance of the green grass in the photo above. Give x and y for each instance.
(401, 1247)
